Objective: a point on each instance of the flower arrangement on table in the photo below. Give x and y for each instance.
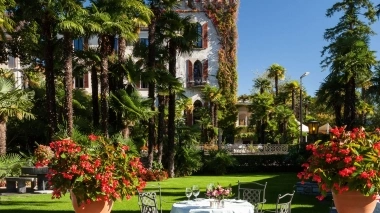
(43, 155)
(349, 161)
(218, 192)
(103, 170)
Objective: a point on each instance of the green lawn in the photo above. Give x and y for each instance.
(174, 190)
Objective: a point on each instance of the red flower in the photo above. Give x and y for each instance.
(93, 137)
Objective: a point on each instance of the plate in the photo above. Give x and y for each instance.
(199, 199)
(182, 202)
(239, 201)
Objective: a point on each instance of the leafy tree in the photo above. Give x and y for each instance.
(348, 55)
(13, 103)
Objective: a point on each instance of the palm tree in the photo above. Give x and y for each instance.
(180, 35)
(292, 86)
(69, 26)
(13, 103)
(157, 7)
(131, 107)
(276, 72)
(119, 18)
(262, 84)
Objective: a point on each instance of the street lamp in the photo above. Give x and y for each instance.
(303, 75)
(313, 128)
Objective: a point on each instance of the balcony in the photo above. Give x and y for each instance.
(197, 82)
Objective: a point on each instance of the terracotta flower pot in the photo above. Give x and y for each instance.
(93, 207)
(354, 202)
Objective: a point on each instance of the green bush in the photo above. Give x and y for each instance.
(217, 162)
(188, 160)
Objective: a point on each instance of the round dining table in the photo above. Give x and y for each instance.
(205, 206)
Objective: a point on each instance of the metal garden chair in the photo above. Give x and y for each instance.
(284, 203)
(150, 201)
(254, 193)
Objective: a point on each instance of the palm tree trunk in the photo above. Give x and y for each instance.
(68, 49)
(276, 85)
(3, 137)
(161, 127)
(49, 78)
(95, 96)
(171, 110)
(152, 85)
(105, 47)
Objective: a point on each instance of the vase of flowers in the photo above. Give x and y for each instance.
(348, 166)
(95, 174)
(217, 194)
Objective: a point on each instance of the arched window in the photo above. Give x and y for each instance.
(199, 41)
(197, 73)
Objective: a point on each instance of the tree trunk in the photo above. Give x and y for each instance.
(68, 54)
(171, 110)
(125, 130)
(95, 96)
(161, 127)
(276, 84)
(105, 50)
(49, 77)
(349, 104)
(3, 137)
(152, 85)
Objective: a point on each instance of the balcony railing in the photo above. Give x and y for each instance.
(250, 149)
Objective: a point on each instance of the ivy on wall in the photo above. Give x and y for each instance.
(223, 14)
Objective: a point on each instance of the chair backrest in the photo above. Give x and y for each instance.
(150, 201)
(284, 203)
(253, 192)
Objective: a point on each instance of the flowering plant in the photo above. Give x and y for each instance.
(218, 192)
(350, 161)
(103, 170)
(43, 155)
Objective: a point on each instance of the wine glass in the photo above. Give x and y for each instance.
(195, 191)
(188, 193)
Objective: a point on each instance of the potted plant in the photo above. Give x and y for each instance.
(347, 165)
(95, 174)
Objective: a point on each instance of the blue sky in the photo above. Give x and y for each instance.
(289, 33)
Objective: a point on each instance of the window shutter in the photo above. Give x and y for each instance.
(204, 35)
(189, 119)
(205, 70)
(190, 76)
(85, 80)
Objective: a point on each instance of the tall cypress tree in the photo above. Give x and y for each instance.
(348, 55)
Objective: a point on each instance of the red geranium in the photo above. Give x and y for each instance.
(349, 161)
(102, 169)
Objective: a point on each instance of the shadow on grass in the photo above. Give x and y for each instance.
(283, 183)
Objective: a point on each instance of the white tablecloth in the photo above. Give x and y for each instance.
(203, 206)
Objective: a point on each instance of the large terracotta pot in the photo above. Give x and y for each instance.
(93, 207)
(354, 202)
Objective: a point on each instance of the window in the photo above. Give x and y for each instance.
(199, 41)
(197, 73)
(78, 44)
(116, 45)
(144, 41)
(144, 85)
(81, 81)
